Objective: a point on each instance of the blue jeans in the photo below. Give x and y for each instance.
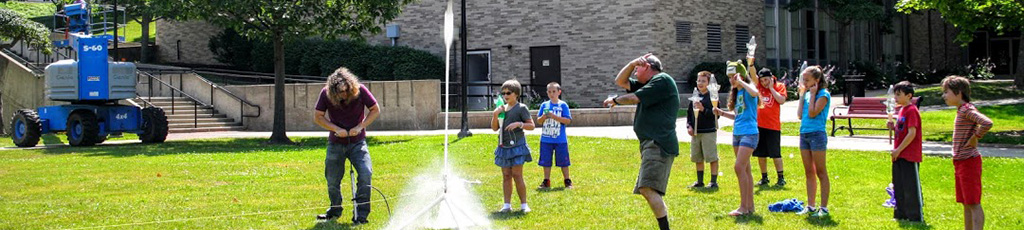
(814, 141)
(749, 141)
(334, 171)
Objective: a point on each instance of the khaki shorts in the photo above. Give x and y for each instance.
(704, 148)
(654, 168)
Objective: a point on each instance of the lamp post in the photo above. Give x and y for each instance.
(464, 132)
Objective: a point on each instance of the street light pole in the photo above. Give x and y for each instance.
(464, 132)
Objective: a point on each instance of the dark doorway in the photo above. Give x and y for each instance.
(545, 67)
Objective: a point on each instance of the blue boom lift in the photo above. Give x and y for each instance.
(93, 85)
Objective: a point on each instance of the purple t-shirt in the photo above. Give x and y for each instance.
(348, 115)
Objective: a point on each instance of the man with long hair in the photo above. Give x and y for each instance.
(341, 110)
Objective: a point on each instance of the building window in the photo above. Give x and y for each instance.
(714, 38)
(683, 35)
(742, 37)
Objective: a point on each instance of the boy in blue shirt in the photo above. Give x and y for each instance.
(554, 115)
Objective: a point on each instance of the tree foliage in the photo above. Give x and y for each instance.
(279, 20)
(15, 29)
(970, 16)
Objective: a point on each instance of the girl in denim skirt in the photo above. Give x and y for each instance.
(813, 112)
(512, 151)
(743, 101)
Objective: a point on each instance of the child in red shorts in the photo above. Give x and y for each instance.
(970, 126)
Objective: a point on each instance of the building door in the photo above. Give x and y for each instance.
(478, 65)
(545, 67)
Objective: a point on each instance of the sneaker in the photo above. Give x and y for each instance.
(568, 183)
(713, 185)
(782, 182)
(324, 217)
(505, 209)
(822, 212)
(807, 210)
(360, 222)
(697, 185)
(526, 208)
(764, 181)
(546, 184)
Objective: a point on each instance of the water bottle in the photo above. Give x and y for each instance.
(498, 103)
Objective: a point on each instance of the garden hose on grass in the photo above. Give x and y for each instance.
(355, 203)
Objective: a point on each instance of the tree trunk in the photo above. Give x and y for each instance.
(1018, 78)
(279, 135)
(843, 65)
(144, 50)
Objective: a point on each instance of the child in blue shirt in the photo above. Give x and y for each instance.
(554, 115)
(815, 101)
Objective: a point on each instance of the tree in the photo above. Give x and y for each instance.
(845, 13)
(277, 20)
(17, 29)
(972, 15)
(144, 12)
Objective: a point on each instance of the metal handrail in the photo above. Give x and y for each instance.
(242, 102)
(179, 91)
(195, 104)
(259, 110)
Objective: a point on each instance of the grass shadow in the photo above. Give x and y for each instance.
(507, 215)
(207, 146)
(750, 218)
(914, 225)
(332, 224)
(51, 139)
(766, 188)
(706, 190)
(821, 221)
(545, 190)
(743, 219)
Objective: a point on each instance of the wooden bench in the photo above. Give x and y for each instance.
(864, 108)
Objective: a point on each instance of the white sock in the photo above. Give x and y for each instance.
(507, 205)
(524, 206)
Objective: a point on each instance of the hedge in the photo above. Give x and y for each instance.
(318, 57)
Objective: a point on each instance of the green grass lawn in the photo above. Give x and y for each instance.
(244, 184)
(980, 91)
(56, 139)
(938, 125)
(43, 13)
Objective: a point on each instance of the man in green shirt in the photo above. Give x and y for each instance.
(657, 100)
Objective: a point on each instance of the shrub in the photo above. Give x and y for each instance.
(717, 68)
(231, 48)
(318, 57)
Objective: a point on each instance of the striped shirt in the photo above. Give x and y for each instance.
(969, 123)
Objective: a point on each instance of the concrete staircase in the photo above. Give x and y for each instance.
(184, 116)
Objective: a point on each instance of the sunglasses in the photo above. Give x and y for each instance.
(506, 93)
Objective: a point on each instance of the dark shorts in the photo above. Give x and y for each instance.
(655, 167)
(561, 152)
(749, 141)
(768, 143)
(968, 180)
(814, 141)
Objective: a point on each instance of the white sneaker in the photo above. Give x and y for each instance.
(526, 208)
(505, 208)
(807, 210)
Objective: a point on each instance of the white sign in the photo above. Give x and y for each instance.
(94, 94)
(92, 48)
(546, 63)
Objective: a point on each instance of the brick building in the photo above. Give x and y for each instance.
(584, 43)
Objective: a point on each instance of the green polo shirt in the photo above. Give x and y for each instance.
(656, 114)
